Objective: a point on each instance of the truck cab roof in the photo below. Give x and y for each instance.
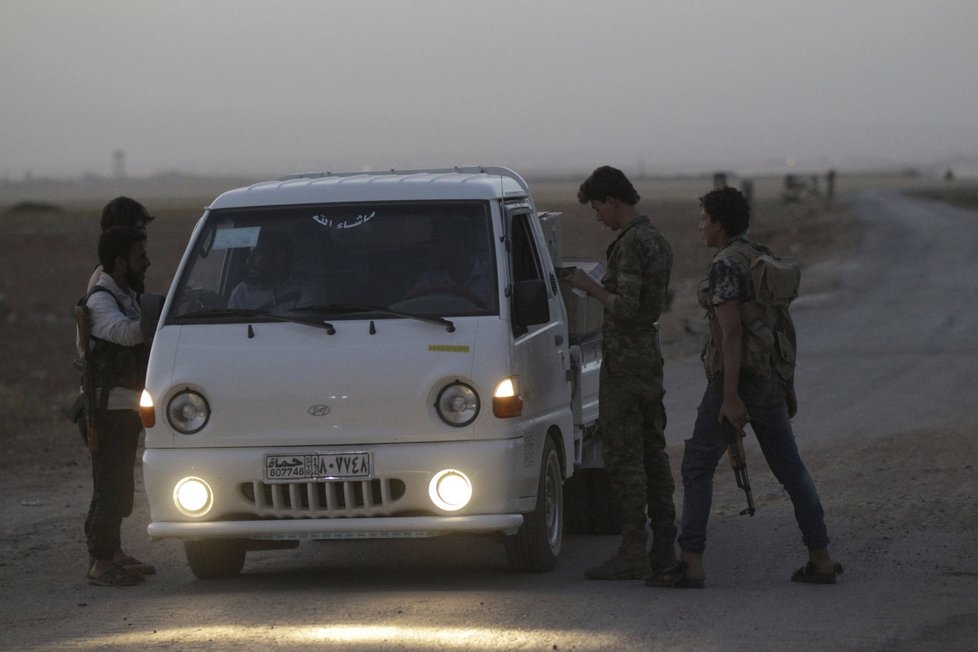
(460, 183)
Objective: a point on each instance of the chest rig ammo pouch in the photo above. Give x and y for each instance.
(115, 365)
(765, 320)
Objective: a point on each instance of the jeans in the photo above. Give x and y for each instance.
(765, 401)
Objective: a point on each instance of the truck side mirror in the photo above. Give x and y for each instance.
(151, 307)
(530, 303)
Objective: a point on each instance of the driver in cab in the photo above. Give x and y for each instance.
(269, 285)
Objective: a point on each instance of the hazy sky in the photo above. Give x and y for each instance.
(242, 86)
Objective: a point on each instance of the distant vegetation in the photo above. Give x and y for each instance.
(34, 207)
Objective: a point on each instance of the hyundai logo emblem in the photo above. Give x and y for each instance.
(318, 410)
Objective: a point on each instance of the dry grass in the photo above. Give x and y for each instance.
(964, 196)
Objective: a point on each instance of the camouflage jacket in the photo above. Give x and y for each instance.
(639, 265)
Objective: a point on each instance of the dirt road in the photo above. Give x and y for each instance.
(887, 425)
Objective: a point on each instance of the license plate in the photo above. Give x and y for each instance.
(315, 466)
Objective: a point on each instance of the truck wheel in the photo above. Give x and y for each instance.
(536, 545)
(213, 558)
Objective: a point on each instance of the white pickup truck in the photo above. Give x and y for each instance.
(368, 355)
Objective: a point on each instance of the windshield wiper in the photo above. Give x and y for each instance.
(355, 308)
(243, 312)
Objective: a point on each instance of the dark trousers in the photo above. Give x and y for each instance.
(633, 447)
(112, 481)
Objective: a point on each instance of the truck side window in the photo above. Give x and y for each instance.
(526, 261)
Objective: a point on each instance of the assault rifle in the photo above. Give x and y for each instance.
(87, 369)
(738, 462)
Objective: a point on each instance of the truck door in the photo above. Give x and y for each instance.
(541, 350)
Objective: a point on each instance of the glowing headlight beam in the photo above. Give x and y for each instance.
(367, 635)
(193, 496)
(450, 490)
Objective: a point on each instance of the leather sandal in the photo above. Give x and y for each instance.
(808, 575)
(114, 576)
(133, 565)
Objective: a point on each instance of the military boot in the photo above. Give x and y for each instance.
(631, 562)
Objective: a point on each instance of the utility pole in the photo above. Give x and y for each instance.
(119, 164)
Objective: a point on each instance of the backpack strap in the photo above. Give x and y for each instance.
(767, 326)
(83, 302)
(101, 288)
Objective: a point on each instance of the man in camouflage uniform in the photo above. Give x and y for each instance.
(632, 417)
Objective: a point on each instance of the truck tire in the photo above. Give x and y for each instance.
(536, 545)
(214, 558)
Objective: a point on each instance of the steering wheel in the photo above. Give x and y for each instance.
(200, 300)
(445, 289)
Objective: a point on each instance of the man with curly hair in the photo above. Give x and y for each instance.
(749, 361)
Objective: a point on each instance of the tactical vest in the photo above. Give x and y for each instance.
(765, 320)
(116, 365)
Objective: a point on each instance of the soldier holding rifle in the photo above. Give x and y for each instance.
(749, 361)
(114, 355)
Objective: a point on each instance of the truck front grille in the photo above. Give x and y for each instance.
(333, 499)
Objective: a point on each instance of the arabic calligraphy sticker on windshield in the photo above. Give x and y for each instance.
(344, 223)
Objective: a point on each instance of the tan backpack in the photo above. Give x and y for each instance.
(768, 328)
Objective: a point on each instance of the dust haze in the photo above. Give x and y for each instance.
(253, 88)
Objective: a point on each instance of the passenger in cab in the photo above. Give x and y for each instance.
(455, 267)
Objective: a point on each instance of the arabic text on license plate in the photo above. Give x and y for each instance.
(340, 466)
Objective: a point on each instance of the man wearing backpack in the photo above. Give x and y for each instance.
(118, 353)
(749, 362)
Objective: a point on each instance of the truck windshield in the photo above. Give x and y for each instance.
(415, 258)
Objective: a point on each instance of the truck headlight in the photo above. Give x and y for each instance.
(450, 490)
(506, 399)
(193, 496)
(457, 404)
(188, 412)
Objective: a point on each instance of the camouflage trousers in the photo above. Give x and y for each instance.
(633, 423)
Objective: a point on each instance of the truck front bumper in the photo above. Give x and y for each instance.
(394, 502)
